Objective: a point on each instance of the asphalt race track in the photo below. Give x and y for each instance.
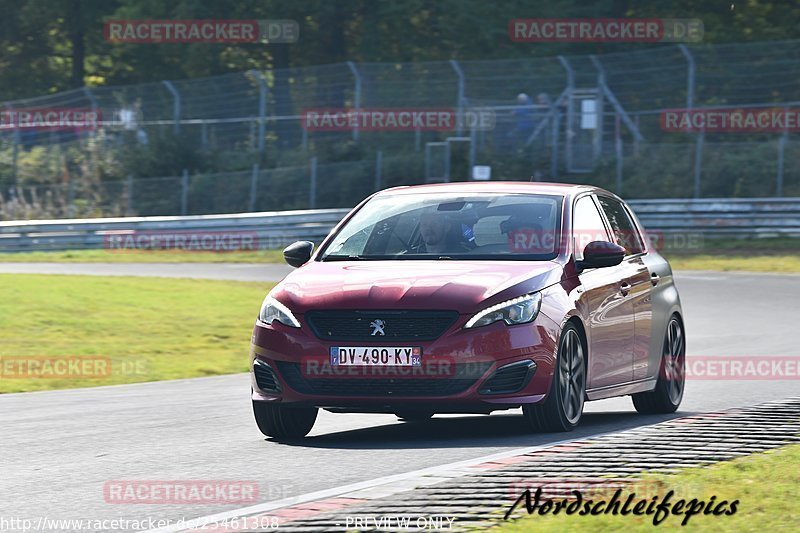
(59, 448)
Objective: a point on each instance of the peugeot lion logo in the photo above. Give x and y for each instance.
(377, 327)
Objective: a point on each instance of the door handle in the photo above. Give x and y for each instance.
(624, 288)
(654, 278)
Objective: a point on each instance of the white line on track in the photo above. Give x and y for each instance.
(442, 472)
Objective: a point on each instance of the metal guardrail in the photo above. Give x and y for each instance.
(746, 217)
(722, 217)
(265, 230)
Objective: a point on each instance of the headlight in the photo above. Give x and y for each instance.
(517, 311)
(272, 310)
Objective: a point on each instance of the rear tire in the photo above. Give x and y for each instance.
(667, 395)
(563, 407)
(281, 422)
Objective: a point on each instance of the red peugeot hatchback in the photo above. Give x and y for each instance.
(470, 298)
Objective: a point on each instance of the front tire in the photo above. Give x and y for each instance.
(281, 422)
(667, 395)
(563, 407)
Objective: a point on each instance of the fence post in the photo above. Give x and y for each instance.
(781, 152)
(129, 186)
(690, 80)
(15, 156)
(378, 165)
(184, 192)
(570, 109)
(698, 162)
(92, 103)
(602, 86)
(14, 148)
(253, 184)
(618, 150)
(356, 95)
(312, 186)
(262, 108)
(254, 144)
(427, 161)
(71, 198)
(473, 141)
(690, 74)
(447, 162)
(460, 97)
(779, 179)
(554, 154)
(176, 106)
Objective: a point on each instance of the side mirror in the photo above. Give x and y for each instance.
(298, 253)
(599, 254)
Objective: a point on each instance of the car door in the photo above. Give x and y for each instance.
(604, 303)
(636, 275)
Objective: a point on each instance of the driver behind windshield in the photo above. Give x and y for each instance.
(439, 234)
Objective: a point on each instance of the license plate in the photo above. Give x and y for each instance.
(376, 356)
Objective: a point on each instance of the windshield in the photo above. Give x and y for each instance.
(451, 226)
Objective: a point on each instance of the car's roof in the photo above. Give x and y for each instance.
(510, 187)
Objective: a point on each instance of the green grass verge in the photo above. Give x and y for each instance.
(753, 255)
(143, 256)
(779, 263)
(748, 255)
(147, 328)
(765, 485)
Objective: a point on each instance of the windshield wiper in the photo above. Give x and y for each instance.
(353, 257)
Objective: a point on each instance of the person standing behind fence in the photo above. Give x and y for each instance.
(130, 118)
(523, 115)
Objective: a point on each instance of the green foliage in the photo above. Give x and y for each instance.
(42, 39)
(51, 46)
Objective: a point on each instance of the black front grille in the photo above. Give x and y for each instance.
(509, 378)
(463, 378)
(397, 326)
(265, 377)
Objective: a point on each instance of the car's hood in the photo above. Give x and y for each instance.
(461, 285)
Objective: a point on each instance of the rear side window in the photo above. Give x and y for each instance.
(587, 225)
(625, 231)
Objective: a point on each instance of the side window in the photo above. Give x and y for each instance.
(587, 225)
(625, 231)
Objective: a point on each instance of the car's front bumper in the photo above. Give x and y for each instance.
(464, 370)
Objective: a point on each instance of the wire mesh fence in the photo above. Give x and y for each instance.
(590, 119)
